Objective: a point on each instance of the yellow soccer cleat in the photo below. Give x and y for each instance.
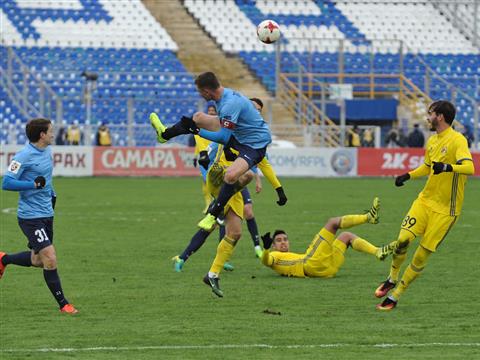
(158, 126)
(373, 216)
(207, 223)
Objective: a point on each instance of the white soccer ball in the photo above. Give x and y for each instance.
(268, 31)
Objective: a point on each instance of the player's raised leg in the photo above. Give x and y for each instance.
(23, 258)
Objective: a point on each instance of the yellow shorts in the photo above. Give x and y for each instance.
(235, 204)
(236, 201)
(421, 220)
(324, 256)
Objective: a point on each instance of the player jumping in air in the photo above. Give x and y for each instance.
(30, 173)
(447, 163)
(238, 125)
(326, 253)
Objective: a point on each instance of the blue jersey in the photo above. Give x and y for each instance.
(26, 165)
(237, 113)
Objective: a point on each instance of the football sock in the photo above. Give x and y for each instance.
(226, 192)
(221, 232)
(253, 229)
(224, 252)
(364, 246)
(196, 243)
(174, 130)
(21, 259)
(405, 237)
(348, 221)
(53, 282)
(415, 268)
(397, 261)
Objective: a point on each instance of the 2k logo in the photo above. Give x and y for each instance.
(394, 161)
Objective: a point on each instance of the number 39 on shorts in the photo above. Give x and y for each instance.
(408, 222)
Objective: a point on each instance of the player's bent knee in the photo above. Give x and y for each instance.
(345, 236)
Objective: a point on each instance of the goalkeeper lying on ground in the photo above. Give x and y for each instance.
(326, 254)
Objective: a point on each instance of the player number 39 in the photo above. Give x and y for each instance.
(409, 221)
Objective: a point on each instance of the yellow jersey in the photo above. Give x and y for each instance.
(284, 263)
(444, 192)
(201, 144)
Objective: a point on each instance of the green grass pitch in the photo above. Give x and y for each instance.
(115, 237)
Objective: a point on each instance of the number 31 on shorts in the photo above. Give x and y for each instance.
(41, 235)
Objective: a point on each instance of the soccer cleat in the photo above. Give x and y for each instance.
(178, 263)
(207, 223)
(386, 250)
(158, 126)
(69, 309)
(384, 288)
(213, 283)
(228, 267)
(2, 267)
(372, 214)
(258, 251)
(387, 304)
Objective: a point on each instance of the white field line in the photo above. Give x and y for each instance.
(238, 346)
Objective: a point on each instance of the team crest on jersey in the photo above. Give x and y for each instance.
(14, 167)
(227, 123)
(444, 150)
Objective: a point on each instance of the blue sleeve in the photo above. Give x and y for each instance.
(254, 169)
(222, 136)
(231, 110)
(11, 184)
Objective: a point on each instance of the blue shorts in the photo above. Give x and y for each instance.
(250, 155)
(247, 199)
(39, 232)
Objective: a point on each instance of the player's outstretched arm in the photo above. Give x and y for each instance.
(11, 184)
(267, 258)
(222, 136)
(465, 168)
(267, 170)
(422, 170)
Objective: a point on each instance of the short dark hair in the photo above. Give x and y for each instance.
(444, 107)
(258, 101)
(207, 80)
(278, 232)
(35, 127)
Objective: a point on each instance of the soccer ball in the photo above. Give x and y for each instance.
(268, 31)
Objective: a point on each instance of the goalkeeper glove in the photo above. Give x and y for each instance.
(39, 182)
(439, 167)
(282, 198)
(399, 180)
(203, 159)
(267, 240)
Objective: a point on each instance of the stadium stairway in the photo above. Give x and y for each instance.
(198, 52)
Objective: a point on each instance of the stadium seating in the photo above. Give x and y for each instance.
(119, 40)
(426, 34)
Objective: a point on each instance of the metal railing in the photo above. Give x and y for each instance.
(33, 96)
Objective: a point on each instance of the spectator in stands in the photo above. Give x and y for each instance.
(74, 134)
(103, 137)
(416, 138)
(354, 137)
(468, 133)
(392, 139)
(368, 139)
(61, 136)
